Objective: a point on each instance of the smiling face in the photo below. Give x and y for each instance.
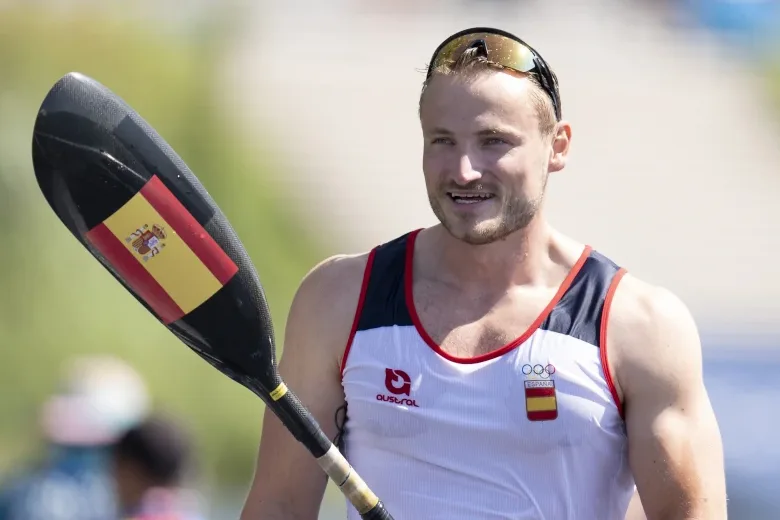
(486, 155)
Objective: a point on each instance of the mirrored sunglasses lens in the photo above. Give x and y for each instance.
(501, 50)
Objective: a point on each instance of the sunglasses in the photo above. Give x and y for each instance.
(501, 48)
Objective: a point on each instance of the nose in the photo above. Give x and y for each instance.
(466, 171)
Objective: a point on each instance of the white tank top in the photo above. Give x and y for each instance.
(531, 431)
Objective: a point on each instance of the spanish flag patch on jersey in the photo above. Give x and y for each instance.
(163, 253)
(541, 403)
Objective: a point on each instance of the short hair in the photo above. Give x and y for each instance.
(471, 63)
(160, 447)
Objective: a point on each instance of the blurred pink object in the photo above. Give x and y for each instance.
(100, 398)
(179, 503)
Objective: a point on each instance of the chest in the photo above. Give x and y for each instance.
(546, 395)
(470, 326)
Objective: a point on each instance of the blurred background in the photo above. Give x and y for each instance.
(300, 118)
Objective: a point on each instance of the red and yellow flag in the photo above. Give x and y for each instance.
(162, 252)
(540, 401)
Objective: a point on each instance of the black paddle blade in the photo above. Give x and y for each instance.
(126, 195)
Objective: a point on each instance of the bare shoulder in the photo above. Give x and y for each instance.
(641, 308)
(338, 279)
(325, 304)
(649, 328)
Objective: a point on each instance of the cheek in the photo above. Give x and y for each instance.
(434, 167)
(519, 167)
(510, 169)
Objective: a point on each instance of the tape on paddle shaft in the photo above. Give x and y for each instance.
(278, 392)
(297, 419)
(348, 481)
(305, 429)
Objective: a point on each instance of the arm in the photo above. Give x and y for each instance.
(288, 483)
(674, 444)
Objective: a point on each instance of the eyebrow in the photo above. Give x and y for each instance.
(485, 132)
(496, 131)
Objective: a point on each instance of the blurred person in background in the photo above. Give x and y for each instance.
(150, 463)
(100, 398)
(490, 366)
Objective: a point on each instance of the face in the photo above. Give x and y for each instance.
(484, 158)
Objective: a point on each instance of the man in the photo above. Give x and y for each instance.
(99, 398)
(491, 367)
(150, 463)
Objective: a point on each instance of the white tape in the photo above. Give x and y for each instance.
(350, 483)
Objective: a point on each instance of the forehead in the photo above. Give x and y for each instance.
(488, 98)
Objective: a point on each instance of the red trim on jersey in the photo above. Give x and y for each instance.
(603, 341)
(359, 309)
(408, 289)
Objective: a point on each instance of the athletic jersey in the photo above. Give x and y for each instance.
(533, 430)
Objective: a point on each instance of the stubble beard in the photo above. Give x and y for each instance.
(515, 214)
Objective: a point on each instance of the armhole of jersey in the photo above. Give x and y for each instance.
(359, 309)
(603, 339)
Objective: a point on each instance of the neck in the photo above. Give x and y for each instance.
(518, 259)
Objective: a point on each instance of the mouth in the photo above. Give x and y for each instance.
(469, 197)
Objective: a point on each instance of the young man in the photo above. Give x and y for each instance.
(491, 367)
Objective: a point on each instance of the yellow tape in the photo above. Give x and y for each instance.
(279, 392)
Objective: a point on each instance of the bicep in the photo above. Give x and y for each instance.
(675, 449)
(287, 476)
(288, 481)
(675, 454)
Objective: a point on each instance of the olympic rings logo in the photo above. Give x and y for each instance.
(542, 371)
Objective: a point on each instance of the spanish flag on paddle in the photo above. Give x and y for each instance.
(162, 252)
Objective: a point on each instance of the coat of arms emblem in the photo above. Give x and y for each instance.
(147, 242)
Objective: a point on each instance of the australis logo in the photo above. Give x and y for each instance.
(399, 384)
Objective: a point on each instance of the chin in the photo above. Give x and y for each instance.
(479, 234)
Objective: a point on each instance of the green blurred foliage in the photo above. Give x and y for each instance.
(57, 301)
(774, 82)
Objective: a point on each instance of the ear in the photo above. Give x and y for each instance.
(559, 149)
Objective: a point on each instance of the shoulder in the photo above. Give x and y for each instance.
(646, 309)
(651, 332)
(324, 305)
(333, 286)
(336, 276)
(341, 278)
